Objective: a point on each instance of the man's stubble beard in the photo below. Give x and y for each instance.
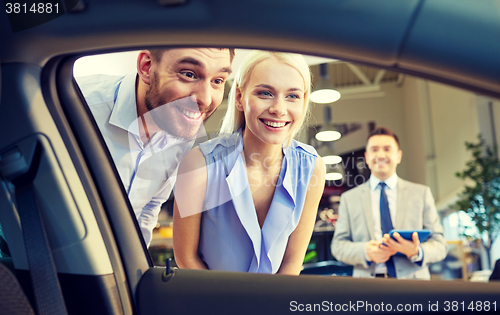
(166, 115)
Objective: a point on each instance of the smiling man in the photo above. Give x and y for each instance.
(149, 119)
(385, 202)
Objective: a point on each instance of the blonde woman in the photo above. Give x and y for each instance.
(247, 200)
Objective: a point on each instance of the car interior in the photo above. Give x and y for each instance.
(69, 240)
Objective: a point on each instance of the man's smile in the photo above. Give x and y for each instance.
(194, 115)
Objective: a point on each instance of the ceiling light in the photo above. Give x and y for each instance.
(333, 176)
(327, 132)
(328, 135)
(332, 159)
(324, 93)
(325, 96)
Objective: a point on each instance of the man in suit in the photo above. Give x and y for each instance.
(385, 202)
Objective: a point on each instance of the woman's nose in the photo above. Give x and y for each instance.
(278, 107)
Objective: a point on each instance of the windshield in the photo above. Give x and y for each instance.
(433, 123)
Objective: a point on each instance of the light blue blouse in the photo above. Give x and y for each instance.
(230, 236)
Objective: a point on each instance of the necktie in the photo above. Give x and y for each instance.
(386, 225)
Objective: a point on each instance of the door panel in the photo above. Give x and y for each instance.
(216, 292)
(81, 256)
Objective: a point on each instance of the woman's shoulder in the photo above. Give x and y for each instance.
(222, 142)
(307, 154)
(194, 159)
(303, 148)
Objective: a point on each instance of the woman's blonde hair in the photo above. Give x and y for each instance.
(235, 119)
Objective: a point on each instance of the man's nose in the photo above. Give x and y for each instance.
(278, 107)
(203, 96)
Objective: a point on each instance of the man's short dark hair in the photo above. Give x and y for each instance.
(382, 131)
(156, 54)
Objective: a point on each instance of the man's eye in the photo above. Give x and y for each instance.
(219, 81)
(189, 74)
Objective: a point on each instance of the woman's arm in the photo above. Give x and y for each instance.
(300, 238)
(190, 189)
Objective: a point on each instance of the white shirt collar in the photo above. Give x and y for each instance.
(124, 111)
(391, 182)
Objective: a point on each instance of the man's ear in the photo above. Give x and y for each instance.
(400, 156)
(144, 63)
(237, 99)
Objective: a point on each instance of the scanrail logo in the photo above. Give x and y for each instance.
(25, 14)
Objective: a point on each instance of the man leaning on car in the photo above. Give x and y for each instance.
(368, 212)
(150, 118)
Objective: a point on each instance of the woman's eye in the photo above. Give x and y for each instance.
(265, 93)
(293, 96)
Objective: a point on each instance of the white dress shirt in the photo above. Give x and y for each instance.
(392, 198)
(148, 172)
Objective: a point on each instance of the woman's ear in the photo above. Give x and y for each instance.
(144, 66)
(237, 99)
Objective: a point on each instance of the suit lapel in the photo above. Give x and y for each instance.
(401, 203)
(367, 207)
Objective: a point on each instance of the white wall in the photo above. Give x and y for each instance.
(454, 121)
(113, 64)
(417, 131)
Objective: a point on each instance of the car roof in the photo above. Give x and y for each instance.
(450, 41)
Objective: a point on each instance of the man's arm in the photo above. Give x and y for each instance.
(435, 248)
(148, 215)
(343, 248)
(410, 248)
(430, 251)
(148, 218)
